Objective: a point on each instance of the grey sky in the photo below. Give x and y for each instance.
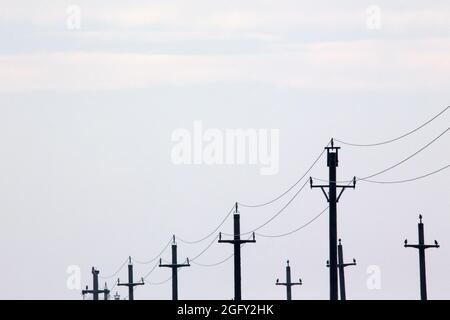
(87, 115)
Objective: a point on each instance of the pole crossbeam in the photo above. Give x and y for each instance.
(341, 267)
(333, 198)
(289, 284)
(174, 266)
(95, 290)
(131, 284)
(237, 243)
(421, 246)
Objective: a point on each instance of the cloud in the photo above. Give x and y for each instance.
(369, 65)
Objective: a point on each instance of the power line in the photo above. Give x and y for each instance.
(156, 257)
(393, 166)
(213, 264)
(219, 262)
(290, 188)
(160, 283)
(209, 234)
(151, 271)
(408, 180)
(204, 250)
(296, 230)
(395, 139)
(274, 216)
(115, 273)
(408, 158)
(112, 288)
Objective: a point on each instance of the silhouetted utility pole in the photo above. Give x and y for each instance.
(333, 198)
(106, 292)
(341, 267)
(422, 247)
(117, 296)
(131, 284)
(174, 266)
(289, 284)
(237, 242)
(95, 291)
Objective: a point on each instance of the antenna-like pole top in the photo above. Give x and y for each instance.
(129, 260)
(174, 239)
(420, 217)
(288, 263)
(340, 241)
(332, 142)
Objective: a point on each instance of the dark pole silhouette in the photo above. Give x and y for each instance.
(341, 267)
(422, 247)
(106, 292)
(117, 296)
(237, 242)
(174, 266)
(131, 284)
(95, 291)
(289, 284)
(333, 198)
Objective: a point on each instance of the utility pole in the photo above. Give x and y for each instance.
(131, 284)
(174, 266)
(237, 242)
(333, 198)
(106, 292)
(422, 247)
(95, 291)
(289, 284)
(341, 267)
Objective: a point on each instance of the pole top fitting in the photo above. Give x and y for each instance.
(288, 263)
(129, 260)
(420, 218)
(174, 241)
(236, 208)
(340, 242)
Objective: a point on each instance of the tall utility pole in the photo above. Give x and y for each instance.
(131, 284)
(289, 284)
(237, 243)
(174, 266)
(333, 198)
(95, 291)
(341, 267)
(422, 247)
